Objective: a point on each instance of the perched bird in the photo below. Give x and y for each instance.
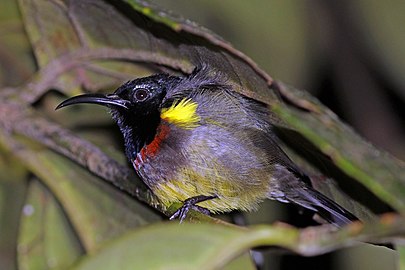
(192, 139)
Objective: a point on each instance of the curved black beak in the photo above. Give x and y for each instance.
(111, 100)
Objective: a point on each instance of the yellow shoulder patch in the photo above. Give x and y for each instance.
(182, 113)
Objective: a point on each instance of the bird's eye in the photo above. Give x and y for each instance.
(141, 94)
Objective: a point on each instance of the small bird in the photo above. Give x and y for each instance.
(193, 139)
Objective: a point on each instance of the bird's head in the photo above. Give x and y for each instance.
(135, 106)
(136, 98)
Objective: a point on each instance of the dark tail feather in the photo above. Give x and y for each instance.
(329, 210)
(325, 207)
(294, 186)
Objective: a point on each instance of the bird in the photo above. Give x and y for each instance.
(194, 140)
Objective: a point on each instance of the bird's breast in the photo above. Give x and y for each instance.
(149, 151)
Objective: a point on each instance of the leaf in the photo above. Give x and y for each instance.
(17, 63)
(43, 228)
(401, 250)
(172, 246)
(12, 195)
(243, 262)
(275, 34)
(381, 173)
(64, 48)
(92, 36)
(96, 210)
(213, 246)
(96, 46)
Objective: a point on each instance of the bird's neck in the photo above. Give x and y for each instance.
(137, 132)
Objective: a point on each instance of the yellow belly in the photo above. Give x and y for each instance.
(232, 195)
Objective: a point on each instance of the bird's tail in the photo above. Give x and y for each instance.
(295, 187)
(325, 207)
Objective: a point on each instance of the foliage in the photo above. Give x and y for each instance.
(82, 206)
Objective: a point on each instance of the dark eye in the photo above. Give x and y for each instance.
(141, 94)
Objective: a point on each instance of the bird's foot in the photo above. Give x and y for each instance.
(189, 204)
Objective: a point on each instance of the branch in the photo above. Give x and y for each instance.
(15, 119)
(47, 76)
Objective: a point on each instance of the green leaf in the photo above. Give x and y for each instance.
(401, 250)
(173, 246)
(378, 171)
(275, 33)
(17, 63)
(80, 47)
(46, 240)
(213, 246)
(96, 44)
(91, 36)
(96, 210)
(12, 195)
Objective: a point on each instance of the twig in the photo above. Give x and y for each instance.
(15, 119)
(48, 75)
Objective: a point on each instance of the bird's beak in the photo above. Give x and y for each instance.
(111, 101)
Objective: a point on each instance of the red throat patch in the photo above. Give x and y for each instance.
(150, 150)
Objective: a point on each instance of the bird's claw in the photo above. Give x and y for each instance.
(190, 204)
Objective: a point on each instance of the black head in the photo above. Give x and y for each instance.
(135, 106)
(140, 96)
